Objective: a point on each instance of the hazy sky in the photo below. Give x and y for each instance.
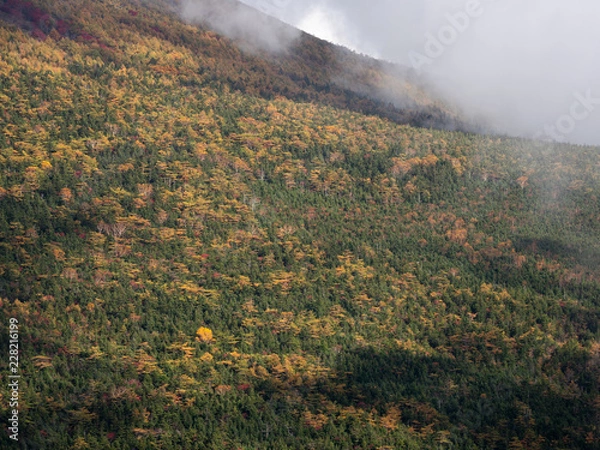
(530, 66)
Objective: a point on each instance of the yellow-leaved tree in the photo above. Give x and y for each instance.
(204, 334)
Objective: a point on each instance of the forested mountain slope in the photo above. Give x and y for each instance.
(303, 69)
(200, 258)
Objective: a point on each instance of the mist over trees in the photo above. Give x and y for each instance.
(209, 246)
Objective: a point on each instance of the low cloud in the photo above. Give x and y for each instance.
(237, 21)
(518, 65)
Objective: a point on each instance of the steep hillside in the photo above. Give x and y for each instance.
(309, 69)
(215, 248)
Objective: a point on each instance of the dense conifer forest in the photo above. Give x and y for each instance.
(213, 247)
